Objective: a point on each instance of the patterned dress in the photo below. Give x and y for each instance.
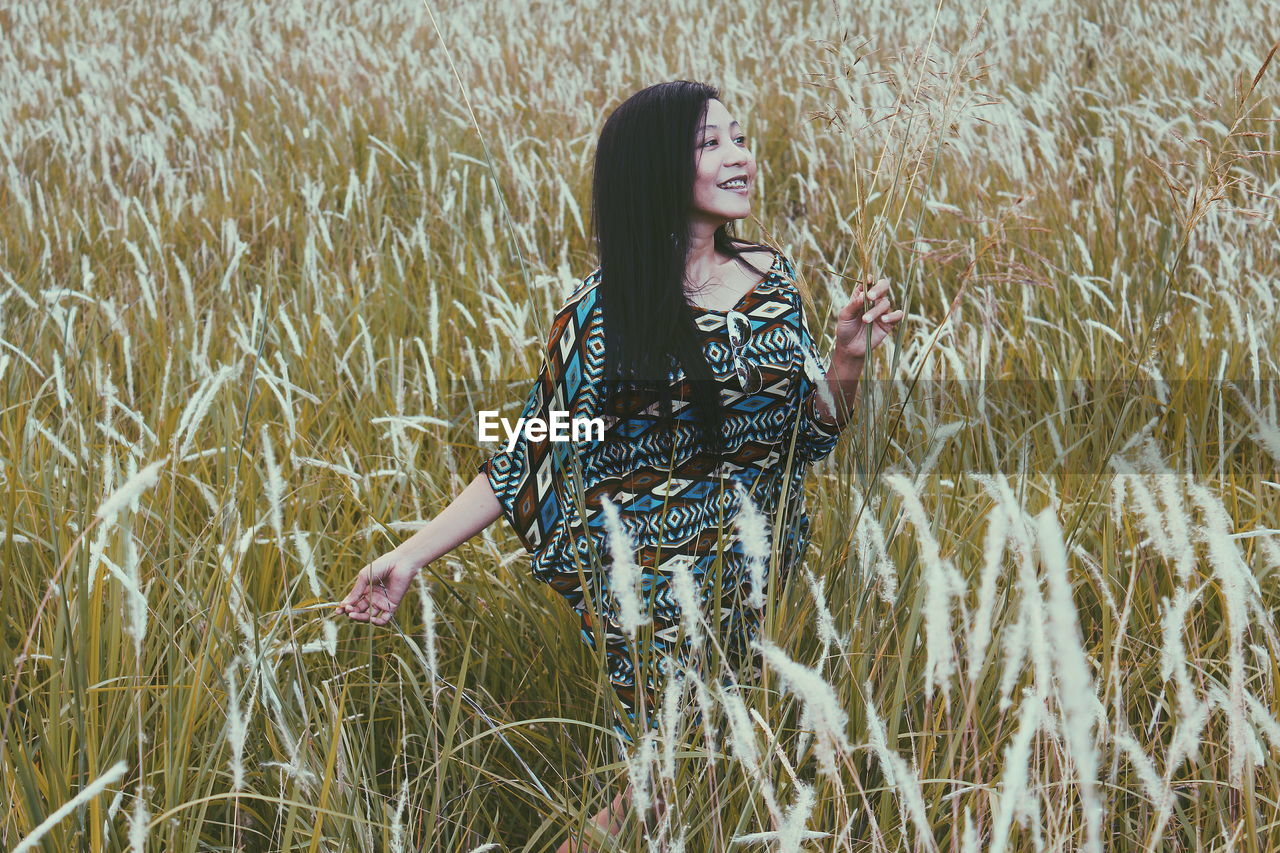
(676, 501)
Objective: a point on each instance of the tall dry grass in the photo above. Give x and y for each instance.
(262, 263)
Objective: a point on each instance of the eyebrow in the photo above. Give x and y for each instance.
(717, 127)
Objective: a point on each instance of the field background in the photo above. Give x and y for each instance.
(255, 264)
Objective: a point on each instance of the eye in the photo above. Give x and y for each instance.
(742, 140)
(708, 142)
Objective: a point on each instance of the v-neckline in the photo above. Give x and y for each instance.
(743, 298)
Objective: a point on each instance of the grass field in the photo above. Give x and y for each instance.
(261, 263)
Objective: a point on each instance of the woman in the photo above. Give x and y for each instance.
(692, 348)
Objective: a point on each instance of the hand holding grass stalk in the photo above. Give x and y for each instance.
(378, 589)
(860, 329)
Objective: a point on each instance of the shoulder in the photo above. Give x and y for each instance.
(582, 306)
(759, 255)
(584, 289)
(762, 254)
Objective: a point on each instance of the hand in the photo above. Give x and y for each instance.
(855, 319)
(378, 589)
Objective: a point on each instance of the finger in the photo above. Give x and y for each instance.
(880, 308)
(361, 602)
(881, 288)
(888, 321)
(358, 588)
(371, 615)
(857, 300)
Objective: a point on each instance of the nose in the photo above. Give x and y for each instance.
(740, 154)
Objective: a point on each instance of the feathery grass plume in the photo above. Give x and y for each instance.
(685, 589)
(624, 574)
(1157, 790)
(1234, 579)
(640, 766)
(60, 386)
(937, 442)
(1175, 510)
(139, 824)
(791, 833)
(127, 495)
(672, 711)
(307, 557)
(397, 828)
(137, 625)
(868, 538)
(1263, 430)
(753, 532)
(771, 836)
(320, 463)
(742, 737)
(889, 760)
(1118, 496)
(1149, 512)
(993, 548)
(743, 745)
(821, 711)
(1173, 655)
(1185, 742)
(1272, 550)
(1027, 634)
(825, 623)
(706, 705)
(235, 589)
(1014, 799)
(1263, 721)
(943, 585)
(55, 443)
(1253, 747)
(428, 607)
(198, 407)
(898, 775)
(236, 729)
(328, 642)
(274, 485)
(87, 793)
(1077, 696)
(969, 840)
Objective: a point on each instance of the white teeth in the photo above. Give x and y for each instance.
(737, 183)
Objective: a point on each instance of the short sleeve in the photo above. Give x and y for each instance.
(529, 479)
(815, 438)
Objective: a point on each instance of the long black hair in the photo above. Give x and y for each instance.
(641, 196)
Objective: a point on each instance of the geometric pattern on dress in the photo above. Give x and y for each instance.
(672, 495)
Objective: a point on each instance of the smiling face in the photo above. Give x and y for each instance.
(721, 153)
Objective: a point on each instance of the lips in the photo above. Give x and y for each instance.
(739, 188)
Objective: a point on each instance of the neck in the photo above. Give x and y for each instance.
(701, 263)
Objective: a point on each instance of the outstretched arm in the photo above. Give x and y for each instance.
(474, 509)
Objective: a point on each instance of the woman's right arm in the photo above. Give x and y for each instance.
(474, 509)
(381, 585)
